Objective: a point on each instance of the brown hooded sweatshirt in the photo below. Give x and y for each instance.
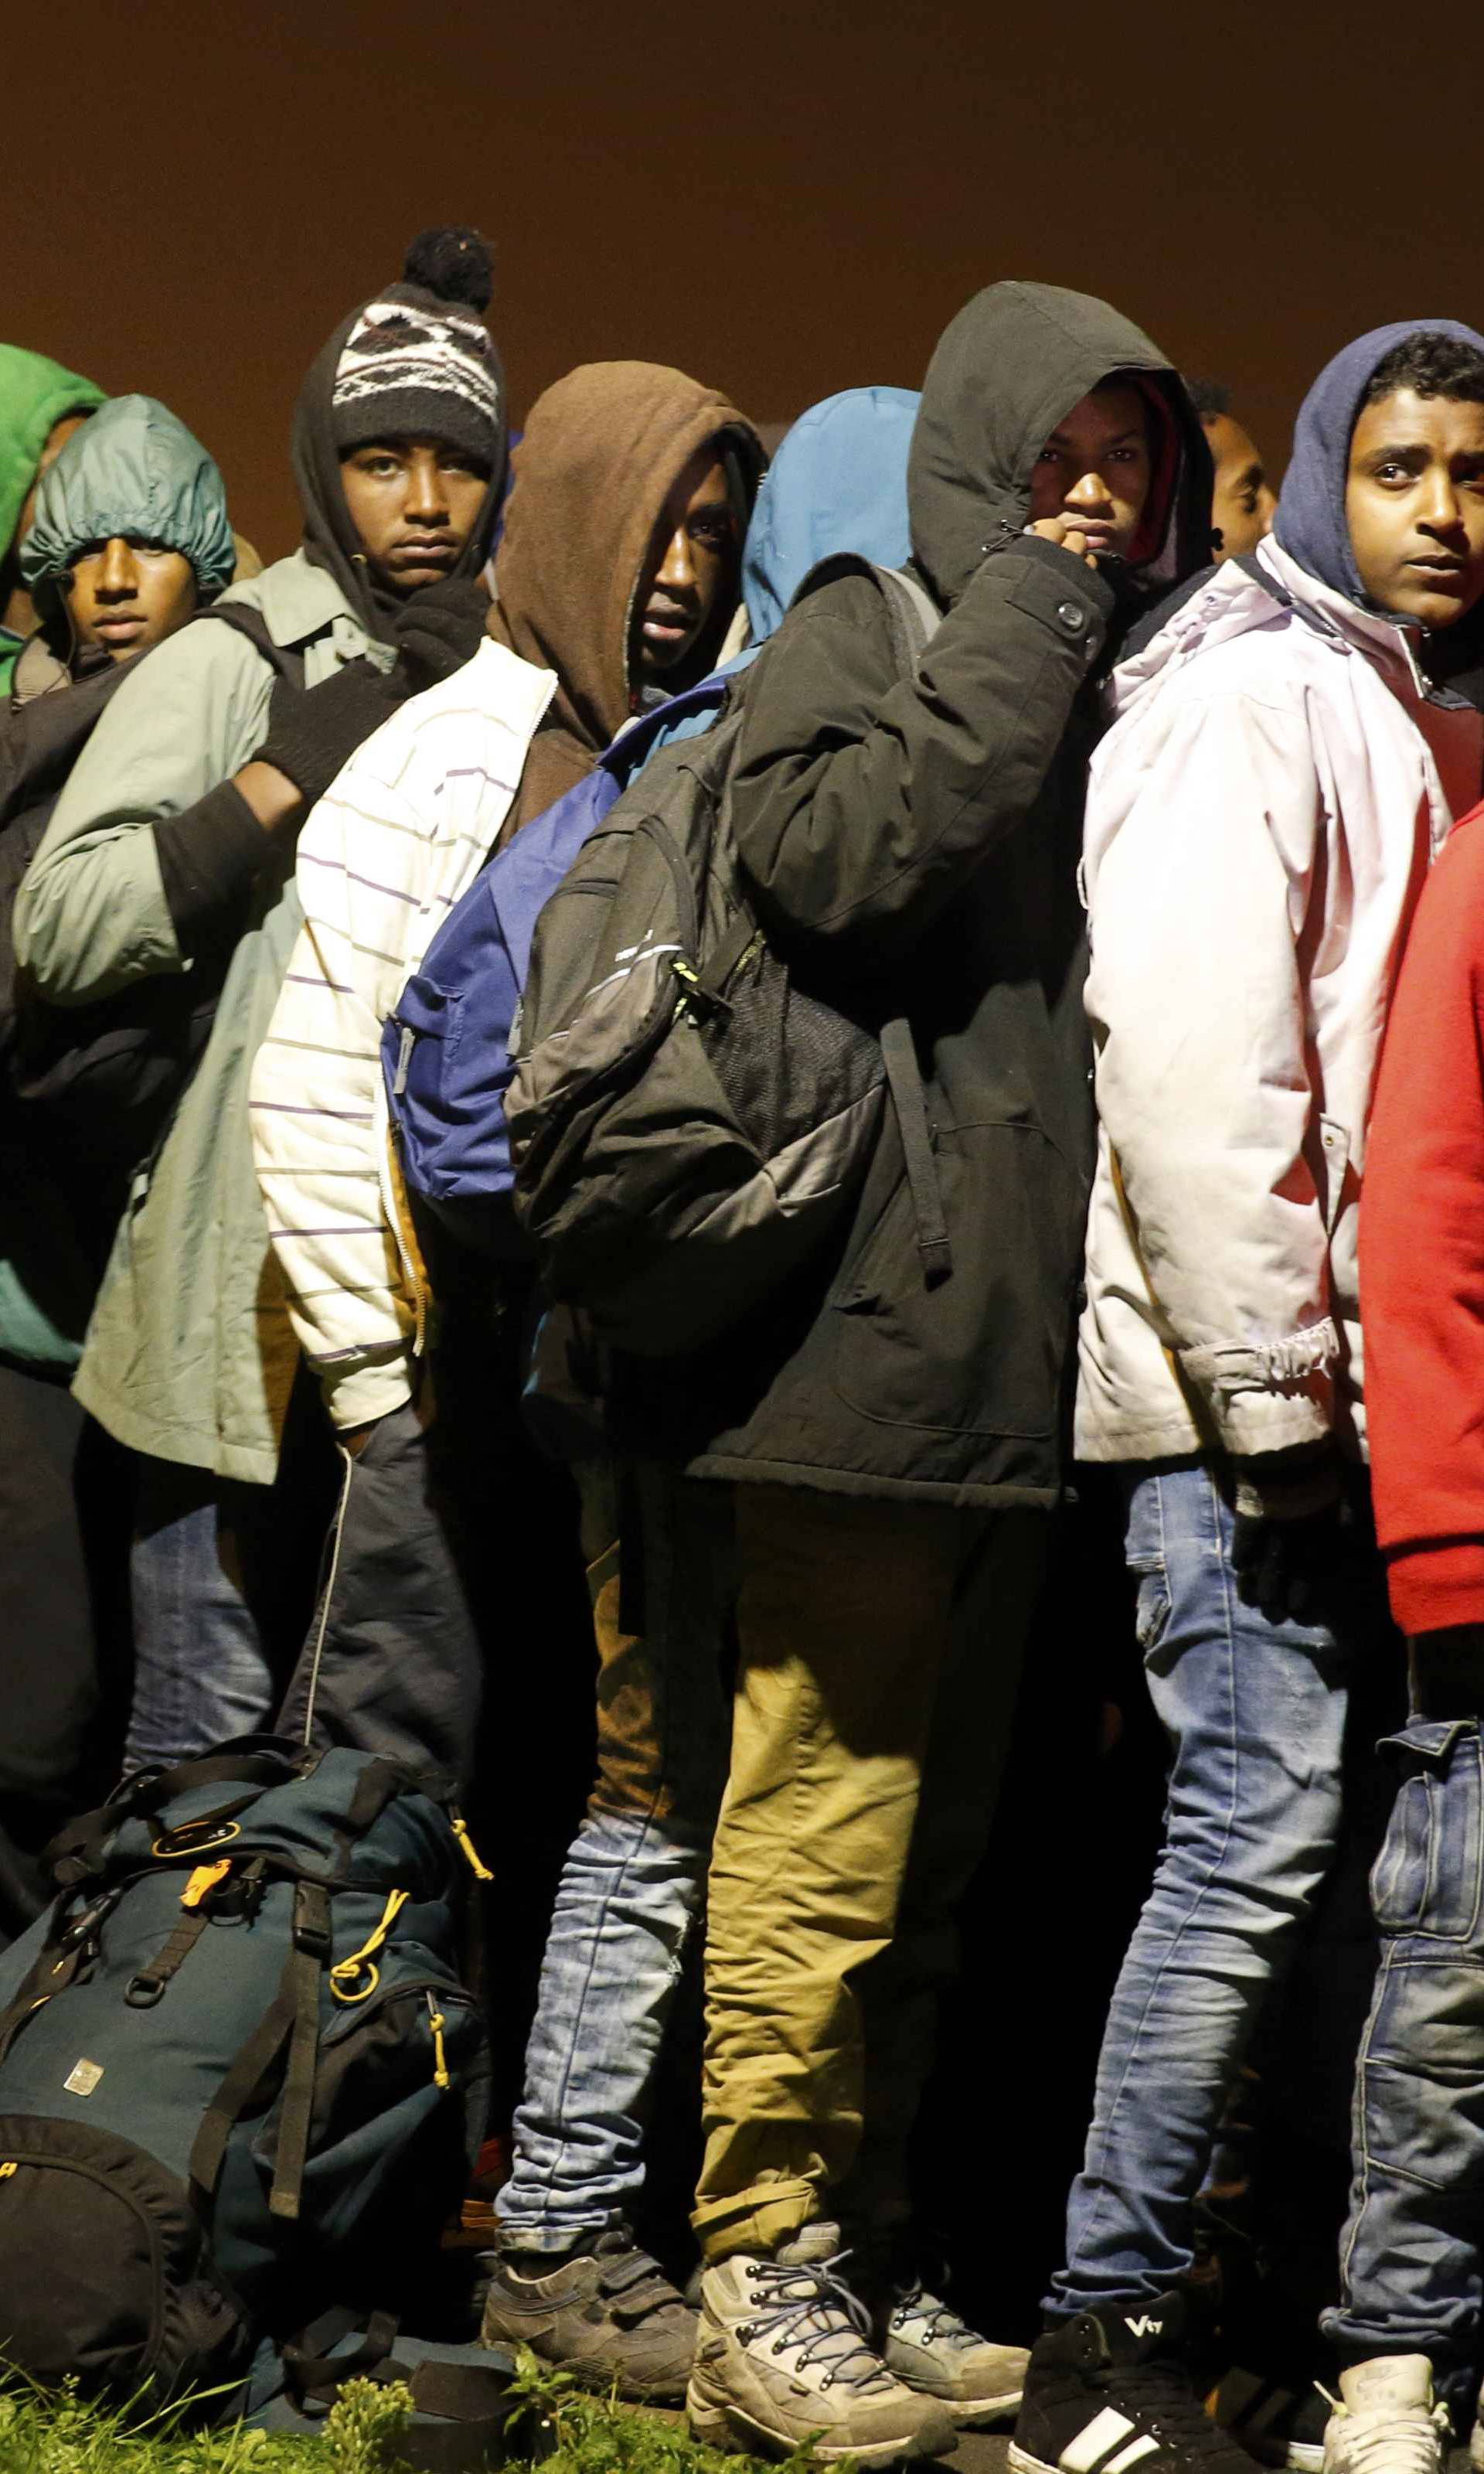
(600, 454)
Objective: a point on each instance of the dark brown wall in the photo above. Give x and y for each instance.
(784, 201)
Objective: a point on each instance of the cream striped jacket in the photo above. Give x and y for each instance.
(400, 836)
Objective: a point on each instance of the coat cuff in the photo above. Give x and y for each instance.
(210, 856)
(1281, 1366)
(1436, 1583)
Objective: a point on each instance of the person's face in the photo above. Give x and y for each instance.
(1414, 501)
(692, 561)
(414, 502)
(1243, 502)
(126, 596)
(56, 438)
(1095, 467)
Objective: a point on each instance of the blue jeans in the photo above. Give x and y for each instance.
(1410, 2259)
(635, 1880)
(1254, 1712)
(223, 1576)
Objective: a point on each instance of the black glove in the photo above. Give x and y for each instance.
(1292, 1536)
(438, 631)
(313, 732)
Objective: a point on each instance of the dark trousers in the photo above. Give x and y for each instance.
(63, 1621)
(392, 1663)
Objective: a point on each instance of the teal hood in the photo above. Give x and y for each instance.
(135, 471)
(838, 482)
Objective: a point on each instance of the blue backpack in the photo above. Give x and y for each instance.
(448, 1050)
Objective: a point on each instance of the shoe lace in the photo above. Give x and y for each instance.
(1401, 2439)
(942, 2324)
(813, 2309)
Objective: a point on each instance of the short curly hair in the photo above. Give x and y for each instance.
(1429, 363)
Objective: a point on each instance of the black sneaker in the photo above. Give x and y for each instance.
(1280, 2423)
(1110, 2391)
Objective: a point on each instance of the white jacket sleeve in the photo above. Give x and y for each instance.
(319, 1119)
(1198, 904)
(398, 836)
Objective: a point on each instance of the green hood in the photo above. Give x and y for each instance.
(135, 471)
(35, 395)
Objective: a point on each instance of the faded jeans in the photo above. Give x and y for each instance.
(635, 1880)
(1254, 1712)
(1411, 2256)
(223, 1575)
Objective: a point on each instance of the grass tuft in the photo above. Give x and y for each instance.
(60, 2432)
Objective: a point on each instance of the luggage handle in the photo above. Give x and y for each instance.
(476, 2399)
(77, 1849)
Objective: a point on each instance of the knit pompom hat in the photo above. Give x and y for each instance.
(419, 360)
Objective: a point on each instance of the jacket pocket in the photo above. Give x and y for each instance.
(981, 1352)
(1426, 1878)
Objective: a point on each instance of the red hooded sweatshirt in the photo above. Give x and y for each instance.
(1422, 1255)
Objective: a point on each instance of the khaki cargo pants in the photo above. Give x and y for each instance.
(880, 1647)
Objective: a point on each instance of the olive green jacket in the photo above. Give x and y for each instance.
(190, 1354)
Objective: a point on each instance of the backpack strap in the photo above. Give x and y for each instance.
(147, 1987)
(288, 660)
(77, 1851)
(904, 1080)
(912, 615)
(914, 619)
(292, 2019)
(47, 1974)
(308, 1961)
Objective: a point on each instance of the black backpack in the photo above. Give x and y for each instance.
(240, 2075)
(688, 1117)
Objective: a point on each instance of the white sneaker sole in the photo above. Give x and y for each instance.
(730, 2430)
(1021, 2462)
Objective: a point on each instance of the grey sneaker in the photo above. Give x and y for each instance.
(785, 2355)
(928, 2347)
(608, 2315)
(1387, 2421)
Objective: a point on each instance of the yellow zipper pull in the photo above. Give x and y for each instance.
(9, 2168)
(459, 1828)
(437, 2023)
(205, 1878)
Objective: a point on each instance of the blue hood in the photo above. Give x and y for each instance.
(1311, 523)
(838, 482)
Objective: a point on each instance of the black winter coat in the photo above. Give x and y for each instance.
(914, 843)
